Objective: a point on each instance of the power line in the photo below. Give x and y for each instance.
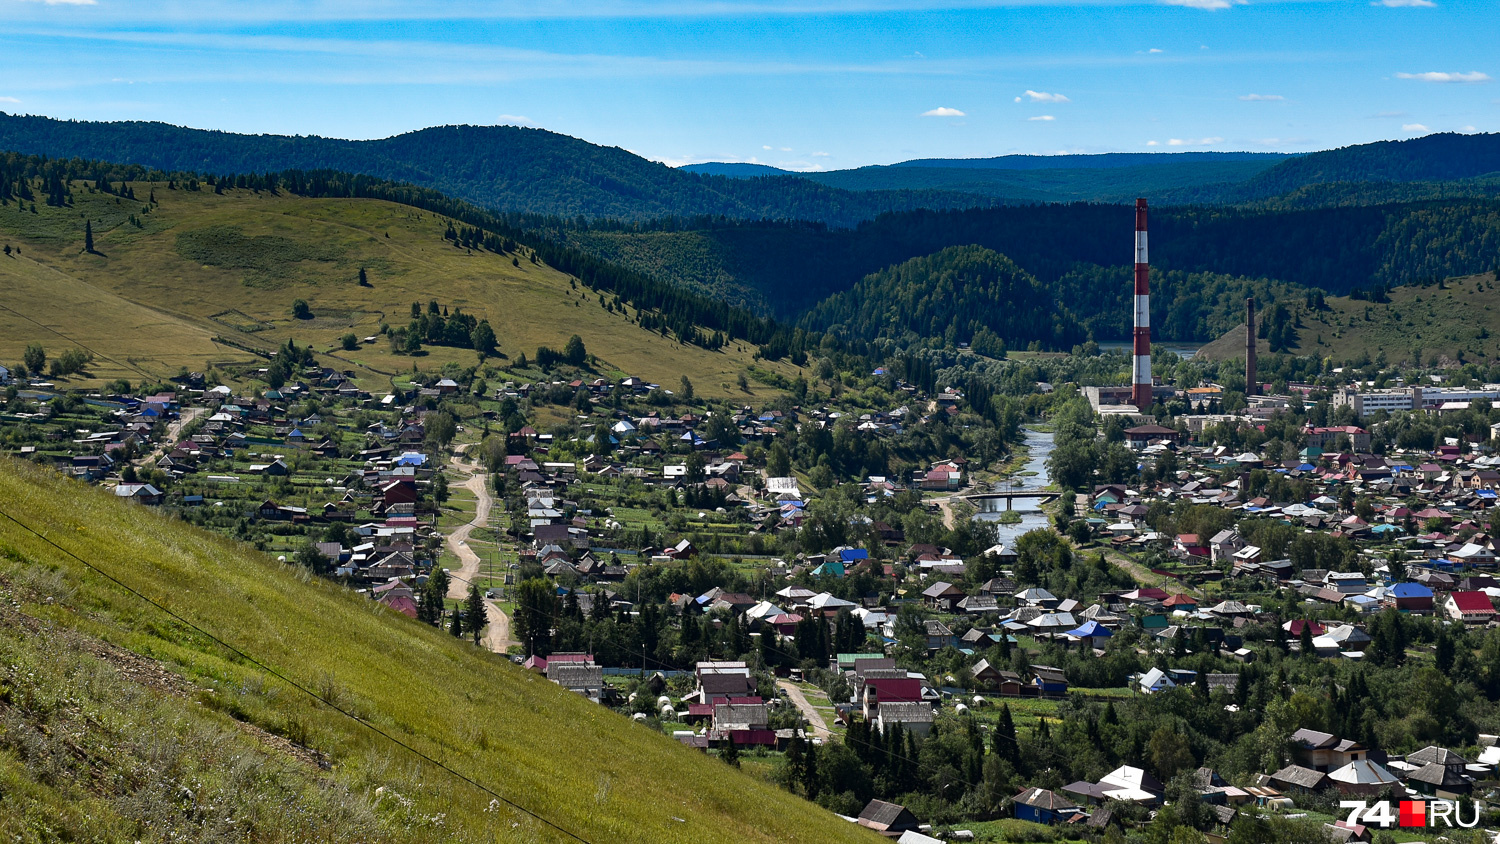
(298, 686)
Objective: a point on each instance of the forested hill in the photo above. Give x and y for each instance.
(505, 168)
(963, 294)
(1100, 161)
(1111, 177)
(970, 294)
(787, 269)
(738, 170)
(1439, 158)
(533, 171)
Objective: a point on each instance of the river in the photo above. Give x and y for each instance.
(1186, 351)
(1038, 446)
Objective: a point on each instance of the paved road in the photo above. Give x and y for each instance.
(497, 635)
(814, 717)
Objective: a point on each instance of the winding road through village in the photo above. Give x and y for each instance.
(497, 635)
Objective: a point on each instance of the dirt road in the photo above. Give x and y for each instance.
(1143, 575)
(946, 506)
(497, 635)
(174, 430)
(813, 717)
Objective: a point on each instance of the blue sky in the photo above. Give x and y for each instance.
(803, 84)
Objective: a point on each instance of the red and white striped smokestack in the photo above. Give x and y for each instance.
(1140, 380)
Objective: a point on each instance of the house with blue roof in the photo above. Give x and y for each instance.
(1090, 632)
(1410, 598)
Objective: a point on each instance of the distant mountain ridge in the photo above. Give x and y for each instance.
(504, 168)
(735, 169)
(1097, 161)
(1010, 179)
(1440, 158)
(533, 171)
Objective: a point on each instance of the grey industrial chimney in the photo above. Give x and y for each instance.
(1252, 385)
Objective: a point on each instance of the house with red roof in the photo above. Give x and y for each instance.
(1469, 607)
(882, 689)
(1186, 603)
(1294, 627)
(1191, 545)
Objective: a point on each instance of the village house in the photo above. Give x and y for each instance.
(888, 819)
(1469, 607)
(1324, 751)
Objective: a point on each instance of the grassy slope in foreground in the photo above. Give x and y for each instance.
(1462, 317)
(584, 767)
(203, 266)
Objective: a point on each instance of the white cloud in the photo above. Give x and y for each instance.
(9, 100)
(1043, 97)
(1438, 76)
(1194, 142)
(765, 146)
(514, 119)
(1468, 129)
(1396, 4)
(820, 155)
(1413, 127)
(1042, 117)
(1156, 50)
(943, 111)
(786, 149)
(1153, 143)
(1262, 98)
(1204, 4)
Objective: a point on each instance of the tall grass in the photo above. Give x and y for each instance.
(580, 765)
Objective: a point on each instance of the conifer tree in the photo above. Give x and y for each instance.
(795, 760)
(1003, 741)
(474, 614)
(730, 754)
(810, 785)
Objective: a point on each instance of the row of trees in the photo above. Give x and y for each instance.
(68, 362)
(435, 326)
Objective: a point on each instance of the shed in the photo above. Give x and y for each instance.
(887, 818)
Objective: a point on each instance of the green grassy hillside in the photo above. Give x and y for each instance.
(118, 722)
(203, 277)
(1459, 320)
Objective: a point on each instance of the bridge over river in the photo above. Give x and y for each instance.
(1010, 496)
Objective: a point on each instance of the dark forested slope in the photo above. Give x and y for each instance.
(787, 269)
(970, 294)
(961, 294)
(1439, 158)
(507, 168)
